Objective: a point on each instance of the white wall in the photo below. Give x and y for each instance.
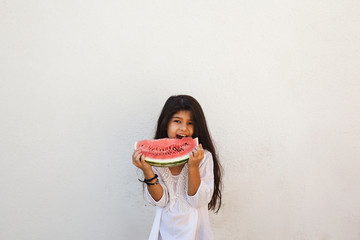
(81, 81)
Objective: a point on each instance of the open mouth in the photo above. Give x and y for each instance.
(179, 136)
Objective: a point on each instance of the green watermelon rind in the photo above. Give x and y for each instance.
(169, 164)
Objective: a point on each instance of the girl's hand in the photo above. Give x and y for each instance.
(138, 160)
(196, 156)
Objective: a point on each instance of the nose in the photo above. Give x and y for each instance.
(183, 127)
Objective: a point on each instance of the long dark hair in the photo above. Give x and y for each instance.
(177, 103)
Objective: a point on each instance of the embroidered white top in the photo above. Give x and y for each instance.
(178, 215)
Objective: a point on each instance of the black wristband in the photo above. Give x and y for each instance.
(149, 180)
(157, 182)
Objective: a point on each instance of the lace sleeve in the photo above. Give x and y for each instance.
(165, 197)
(204, 193)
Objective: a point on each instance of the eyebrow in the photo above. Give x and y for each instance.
(181, 118)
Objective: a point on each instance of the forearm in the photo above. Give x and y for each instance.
(156, 191)
(194, 180)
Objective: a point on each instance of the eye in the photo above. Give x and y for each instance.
(177, 121)
(190, 123)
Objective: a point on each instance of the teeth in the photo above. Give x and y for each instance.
(181, 135)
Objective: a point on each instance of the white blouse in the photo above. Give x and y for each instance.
(178, 215)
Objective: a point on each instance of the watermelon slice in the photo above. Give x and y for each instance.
(167, 152)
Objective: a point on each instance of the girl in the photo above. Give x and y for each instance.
(183, 194)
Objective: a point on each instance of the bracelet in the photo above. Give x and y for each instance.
(148, 180)
(157, 182)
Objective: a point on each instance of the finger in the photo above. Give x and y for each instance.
(134, 156)
(201, 151)
(137, 158)
(144, 162)
(136, 153)
(137, 161)
(193, 153)
(201, 148)
(196, 150)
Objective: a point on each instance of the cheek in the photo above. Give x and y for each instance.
(191, 130)
(171, 128)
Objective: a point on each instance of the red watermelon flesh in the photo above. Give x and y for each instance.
(167, 152)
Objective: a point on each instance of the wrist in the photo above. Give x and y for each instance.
(148, 173)
(151, 181)
(193, 168)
